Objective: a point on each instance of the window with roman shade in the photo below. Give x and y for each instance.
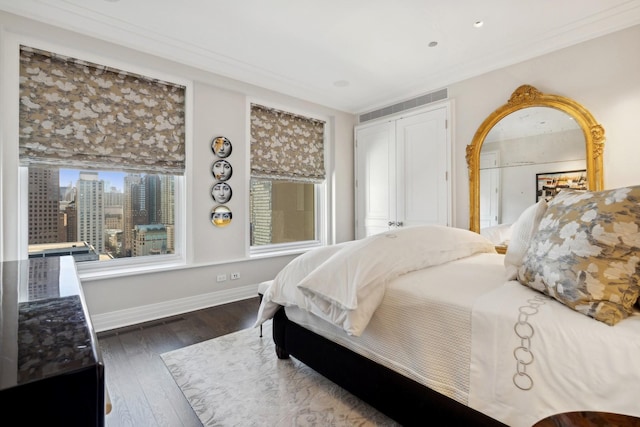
(78, 114)
(105, 151)
(286, 146)
(287, 180)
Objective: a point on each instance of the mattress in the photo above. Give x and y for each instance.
(401, 334)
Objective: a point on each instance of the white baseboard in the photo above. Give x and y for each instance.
(131, 316)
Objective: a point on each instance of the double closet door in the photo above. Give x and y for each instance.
(403, 172)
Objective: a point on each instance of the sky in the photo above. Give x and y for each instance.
(111, 179)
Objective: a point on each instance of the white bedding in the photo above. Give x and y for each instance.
(579, 363)
(450, 326)
(401, 335)
(345, 284)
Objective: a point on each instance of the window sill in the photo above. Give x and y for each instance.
(127, 268)
(283, 249)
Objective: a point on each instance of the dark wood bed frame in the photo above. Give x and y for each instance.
(400, 398)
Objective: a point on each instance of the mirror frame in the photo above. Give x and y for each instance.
(528, 96)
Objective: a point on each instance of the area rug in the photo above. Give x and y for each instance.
(237, 380)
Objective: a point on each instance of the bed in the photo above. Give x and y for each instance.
(431, 320)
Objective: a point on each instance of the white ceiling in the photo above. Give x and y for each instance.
(352, 55)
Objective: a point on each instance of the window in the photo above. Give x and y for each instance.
(99, 215)
(104, 154)
(287, 180)
(282, 212)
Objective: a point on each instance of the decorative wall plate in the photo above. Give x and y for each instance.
(221, 170)
(221, 192)
(221, 146)
(221, 216)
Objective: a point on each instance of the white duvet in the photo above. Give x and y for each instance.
(344, 284)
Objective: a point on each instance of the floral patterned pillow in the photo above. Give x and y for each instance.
(586, 253)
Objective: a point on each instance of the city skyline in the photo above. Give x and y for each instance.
(111, 179)
(141, 225)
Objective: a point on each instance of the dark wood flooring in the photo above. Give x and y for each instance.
(142, 391)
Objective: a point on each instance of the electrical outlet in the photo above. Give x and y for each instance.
(235, 276)
(221, 277)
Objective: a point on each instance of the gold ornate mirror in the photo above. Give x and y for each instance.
(525, 118)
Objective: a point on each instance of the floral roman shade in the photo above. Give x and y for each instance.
(286, 146)
(81, 115)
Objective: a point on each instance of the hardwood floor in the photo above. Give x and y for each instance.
(142, 391)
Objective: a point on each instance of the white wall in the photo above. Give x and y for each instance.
(602, 74)
(220, 107)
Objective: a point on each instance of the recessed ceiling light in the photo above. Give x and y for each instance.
(433, 44)
(478, 24)
(341, 83)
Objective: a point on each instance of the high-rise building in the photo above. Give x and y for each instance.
(90, 210)
(150, 239)
(167, 206)
(113, 209)
(134, 209)
(67, 193)
(71, 216)
(260, 210)
(113, 218)
(167, 190)
(153, 198)
(113, 197)
(44, 205)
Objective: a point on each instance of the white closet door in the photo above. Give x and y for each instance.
(375, 179)
(423, 169)
(402, 173)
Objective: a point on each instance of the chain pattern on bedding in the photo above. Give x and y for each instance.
(524, 330)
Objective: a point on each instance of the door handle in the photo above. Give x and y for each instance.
(399, 224)
(391, 223)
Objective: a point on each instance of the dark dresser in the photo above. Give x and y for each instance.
(51, 369)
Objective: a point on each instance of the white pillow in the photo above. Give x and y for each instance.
(348, 287)
(498, 234)
(521, 235)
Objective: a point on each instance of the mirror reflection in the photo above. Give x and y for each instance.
(522, 148)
